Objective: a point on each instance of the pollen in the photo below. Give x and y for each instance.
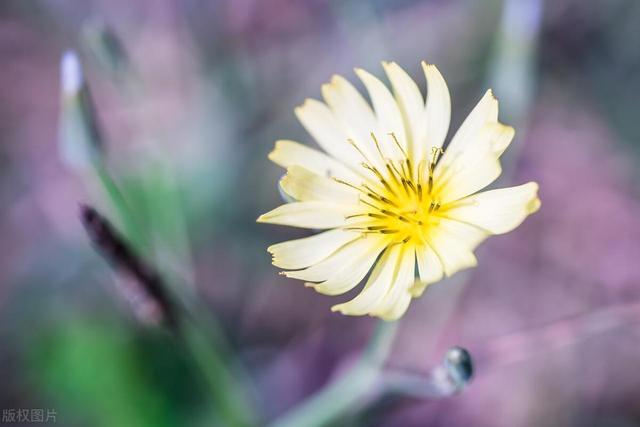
(399, 200)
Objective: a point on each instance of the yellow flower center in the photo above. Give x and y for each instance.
(400, 201)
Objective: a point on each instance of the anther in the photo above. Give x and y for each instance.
(384, 199)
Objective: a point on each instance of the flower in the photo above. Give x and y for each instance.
(388, 194)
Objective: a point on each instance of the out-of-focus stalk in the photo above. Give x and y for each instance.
(81, 147)
(340, 395)
(79, 137)
(230, 401)
(512, 69)
(511, 72)
(81, 143)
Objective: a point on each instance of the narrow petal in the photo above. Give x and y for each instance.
(314, 215)
(468, 170)
(429, 267)
(345, 268)
(497, 211)
(396, 301)
(301, 253)
(328, 132)
(377, 286)
(437, 109)
(412, 107)
(484, 114)
(454, 243)
(304, 185)
(354, 115)
(388, 115)
(290, 153)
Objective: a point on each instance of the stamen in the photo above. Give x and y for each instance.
(393, 135)
(380, 177)
(339, 181)
(393, 175)
(436, 151)
(371, 205)
(375, 141)
(355, 216)
(353, 144)
(404, 185)
(384, 199)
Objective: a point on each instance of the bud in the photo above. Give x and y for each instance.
(444, 380)
(141, 285)
(80, 141)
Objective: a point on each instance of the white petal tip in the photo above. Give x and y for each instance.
(71, 75)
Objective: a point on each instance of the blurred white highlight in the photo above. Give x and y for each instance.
(71, 76)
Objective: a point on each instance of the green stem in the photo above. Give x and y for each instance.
(206, 346)
(231, 403)
(132, 229)
(343, 393)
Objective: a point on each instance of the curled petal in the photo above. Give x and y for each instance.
(345, 268)
(290, 153)
(314, 215)
(437, 109)
(320, 122)
(397, 299)
(429, 268)
(412, 107)
(497, 211)
(374, 291)
(302, 253)
(387, 113)
(303, 185)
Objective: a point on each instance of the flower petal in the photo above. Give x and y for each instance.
(454, 243)
(485, 111)
(388, 115)
(483, 114)
(396, 301)
(355, 117)
(345, 268)
(498, 211)
(411, 104)
(470, 169)
(437, 109)
(323, 126)
(302, 253)
(429, 268)
(377, 286)
(289, 153)
(303, 185)
(315, 215)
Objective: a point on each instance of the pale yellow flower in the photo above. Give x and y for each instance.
(389, 197)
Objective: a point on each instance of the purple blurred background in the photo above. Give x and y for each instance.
(190, 96)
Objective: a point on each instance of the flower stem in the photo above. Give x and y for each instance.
(343, 393)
